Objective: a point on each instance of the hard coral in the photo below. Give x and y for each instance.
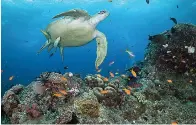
(55, 82)
(64, 118)
(112, 98)
(9, 102)
(94, 81)
(17, 88)
(88, 107)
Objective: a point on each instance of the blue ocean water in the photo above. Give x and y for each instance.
(127, 27)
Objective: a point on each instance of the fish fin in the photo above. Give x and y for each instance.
(101, 48)
(46, 34)
(43, 47)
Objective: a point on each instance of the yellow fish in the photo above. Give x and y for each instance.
(133, 73)
(57, 95)
(127, 91)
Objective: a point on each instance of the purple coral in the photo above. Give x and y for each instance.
(33, 112)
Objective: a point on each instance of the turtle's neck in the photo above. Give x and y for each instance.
(95, 20)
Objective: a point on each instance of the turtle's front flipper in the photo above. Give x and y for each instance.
(43, 47)
(73, 13)
(101, 48)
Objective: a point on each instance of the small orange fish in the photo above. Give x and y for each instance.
(104, 91)
(105, 80)
(133, 73)
(127, 91)
(174, 123)
(11, 78)
(63, 92)
(111, 74)
(169, 81)
(98, 75)
(63, 78)
(99, 70)
(57, 95)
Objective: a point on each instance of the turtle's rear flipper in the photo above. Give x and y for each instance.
(50, 47)
(43, 47)
(55, 45)
(101, 48)
(61, 52)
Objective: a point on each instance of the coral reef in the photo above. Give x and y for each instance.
(89, 107)
(174, 50)
(55, 98)
(94, 81)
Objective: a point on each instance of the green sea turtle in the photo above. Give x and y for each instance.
(76, 28)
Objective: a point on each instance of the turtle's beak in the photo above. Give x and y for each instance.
(107, 13)
(103, 14)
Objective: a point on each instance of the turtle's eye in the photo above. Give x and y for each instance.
(102, 12)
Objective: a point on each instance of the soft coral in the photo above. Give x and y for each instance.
(33, 111)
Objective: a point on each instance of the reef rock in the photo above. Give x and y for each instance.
(174, 50)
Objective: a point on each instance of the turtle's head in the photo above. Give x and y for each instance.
(101, 15)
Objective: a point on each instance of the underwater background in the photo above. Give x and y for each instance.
(127, 27)
(147, 77)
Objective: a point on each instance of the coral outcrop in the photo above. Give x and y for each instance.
(164, 90)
